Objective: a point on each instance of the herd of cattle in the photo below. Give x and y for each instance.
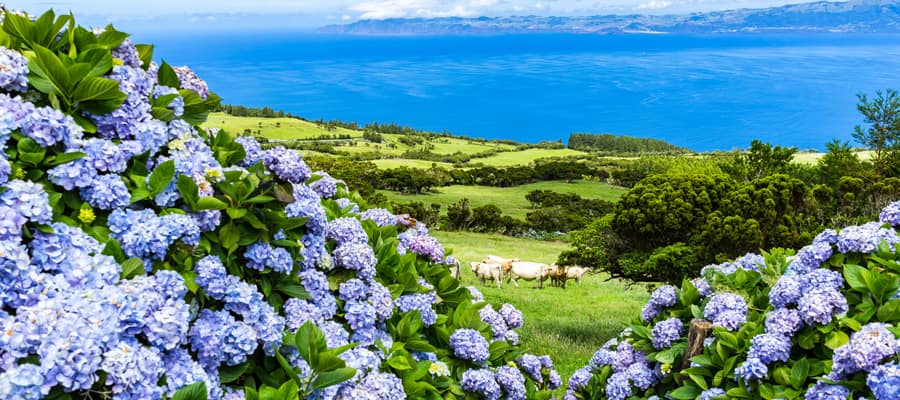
(495, 269)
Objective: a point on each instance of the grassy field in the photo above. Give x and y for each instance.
(812, 158)
(569, 324)
(512, 199)
(524, 157)
(402, 162)
(273, 128)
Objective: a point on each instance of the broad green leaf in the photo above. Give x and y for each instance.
(145, 52)
(331, 378)
(210, 203)
(161, 177)
(93, 88)
(132, 267)
(799, 372)
(48, 66)
(188, 190)
(167, 76)
(195, 391)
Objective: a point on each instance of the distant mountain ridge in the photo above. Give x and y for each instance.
(858, 16)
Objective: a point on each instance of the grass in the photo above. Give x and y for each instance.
(402, 162)
(273, 128)
(569, 324)
(512, 199)
(525, 157)
(812, 158)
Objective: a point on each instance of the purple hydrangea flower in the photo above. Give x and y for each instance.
(727, 310)
(866, 349)
(326, 186)
(667, 332)
(618, 386)
(286, 164)
(827, 236)
(865, 238)
(353, 290)
(702, 286)
(824, 391)
(419, 301)
(48, 126)
(661, 298)
(74, 174)
(783, 321)
(346, 230)
(104, 155)
(468, 344)
(189, 80)
(891, 214)
(297, 312)
(819, 307)
(126, 121)
(787, 291)
(769, 347)
(580, 379)
(752, 369)
(512, 382)
(13, 71)
(420, 243)
(481, 381)
(512, 316)
(810, 258)
(252, 149)
(494, 320)
(380, 216)
(128, 54)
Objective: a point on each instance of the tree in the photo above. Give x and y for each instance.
(765, 159)
(882, 136)
(840, 160)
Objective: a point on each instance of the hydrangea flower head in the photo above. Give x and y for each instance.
(468, 344)
(13, 71)
(663, 297)
(727, 310)
(667, 332)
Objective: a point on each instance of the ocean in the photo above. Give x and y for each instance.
(702, 92)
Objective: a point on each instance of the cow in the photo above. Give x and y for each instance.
(506, 263)
(487, 271)
(528, 271)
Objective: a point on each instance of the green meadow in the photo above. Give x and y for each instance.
(579, 318)
(511, 200)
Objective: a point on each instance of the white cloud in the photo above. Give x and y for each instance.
(654, 5)
(418, 8)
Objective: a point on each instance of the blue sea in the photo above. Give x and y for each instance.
(702, 92)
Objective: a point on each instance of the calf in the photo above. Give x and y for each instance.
(558, 276)
(487, 271)
(505, 263)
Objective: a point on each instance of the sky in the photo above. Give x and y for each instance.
(314, 13)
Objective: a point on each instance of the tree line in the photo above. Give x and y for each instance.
(622, 145)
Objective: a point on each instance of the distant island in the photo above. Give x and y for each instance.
(858, 16)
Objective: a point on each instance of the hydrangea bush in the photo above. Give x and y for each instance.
(142, 257)
(821, 323)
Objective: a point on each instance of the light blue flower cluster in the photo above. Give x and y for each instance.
(865, 238)
(482, 382)
(48, 126)
(128, 54)
(468, 344)
(884, 381)
(891, 214)
(662, 298)
(28, 199)
(418, 241)
(177, 103)
(127, 121)
(346, 230)
(712, 393)
(13, 71)
(253, 152)
(866, 349)
(145, 235)
(358, 257)
(824, 391)
(816, 294)
(727, 310)
(422, 302)
(12, 113)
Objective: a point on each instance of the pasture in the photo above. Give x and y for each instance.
(273, 128)
(578, 319)
(524, 157)
(511, 200)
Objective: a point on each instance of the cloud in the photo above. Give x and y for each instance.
(422, 8)
(654, 5)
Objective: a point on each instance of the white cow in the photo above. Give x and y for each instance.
(576, 273)
(506, 263)
(487, 271)
(528, 271)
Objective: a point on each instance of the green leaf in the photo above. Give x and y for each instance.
(161, 177)
(228, 374)
(66, 157)
(687, 392)
(836, 339)
(188, 190)
(331, 378)
(329, 361)
(305, 343)
(399, 363)
(799, 372)
(111, 38)
(145, 52)
(30, 151)
(47, 65)
(210, 203)
(167, 76)
(195, 391)
(854, 275)
(229, 236)
(292, 289)
(94, 88)
(132, 267)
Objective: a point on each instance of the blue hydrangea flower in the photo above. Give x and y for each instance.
(810, 258)
(890, 214)
(11, 224)
(661, 298)
(380, 297)
(326, 186)
(618, 387)
(783, 321)
(512, 316)
(74, 174)
(824, 391)
(29, 200)
(252, 149)
(358, 257)
(128, 54)
(13, 71)
(865, 238)
(23, 381)
(297, 312)
(380, 216)
(107, 192)
(189, 80)
(12, 113)
(104, 155)
(133, 370)
(752, 369)
(183, 370)
(481, 381)
(512, 382)
(207, 220)
(820, 306)
(217, 337)
(468, 344)
(712, 393)
(727, 310)
(48, 126)
(353, 290)
(257, 255)
(769, 347)
(884, 381)
(787, 291)
(125, 121)
(667, 332)
(641, 375)
(494, 320)
(580, 379)
(702, 286)
(423, 302)
(866, 349)
(286, 164)
(346, 230)
(419, 242)
(477, 297)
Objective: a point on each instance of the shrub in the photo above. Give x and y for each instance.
(142, 257)
(818, 324)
